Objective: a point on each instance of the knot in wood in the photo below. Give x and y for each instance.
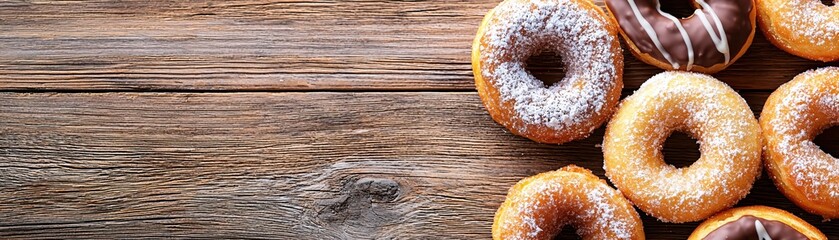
(378, 190)
(363, 206)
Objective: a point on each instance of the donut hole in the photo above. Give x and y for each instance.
(828, 141)
(678, 8)
(680, 150)
(547, 66)
(567, 232)
(829, 3)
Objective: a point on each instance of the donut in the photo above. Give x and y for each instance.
(707, 110)
(756, 222)
(586, 40)
(538, 207)
(805, 28)
(716, 35)
(792, 116)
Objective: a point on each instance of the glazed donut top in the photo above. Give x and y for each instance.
(582, 40)
(751, 227)
(712, 35)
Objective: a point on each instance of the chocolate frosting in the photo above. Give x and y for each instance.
(746, 228)
(734, 16)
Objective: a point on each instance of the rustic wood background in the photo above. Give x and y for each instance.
(282, 119)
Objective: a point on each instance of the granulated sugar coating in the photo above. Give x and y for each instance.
(539, 206)
(708, 110)
(806, 28)
(800, 14)
(587, 42)
(795, 114)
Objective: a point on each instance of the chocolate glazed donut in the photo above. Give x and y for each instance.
(756, 222)
(716, 35)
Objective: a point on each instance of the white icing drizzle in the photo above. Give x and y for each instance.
(682, 30)
(651, 32)
(761, 231)
(720, 40)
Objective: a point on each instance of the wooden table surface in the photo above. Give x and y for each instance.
(282, 119)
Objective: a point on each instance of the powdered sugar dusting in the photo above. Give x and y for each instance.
(584, 45)
(703, 107)
(551, 200)
(796, 15)
(809, 104)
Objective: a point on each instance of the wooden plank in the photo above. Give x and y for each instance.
(280, 165)
(276, 45)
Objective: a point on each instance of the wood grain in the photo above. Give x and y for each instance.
(249, 119)
(278, 45)
(281, 165)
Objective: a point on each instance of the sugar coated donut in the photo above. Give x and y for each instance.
(539, 206)
(756, 222)
(706, 109)
(805, 28)
(716, 35)
(581, 34)
(792, 116)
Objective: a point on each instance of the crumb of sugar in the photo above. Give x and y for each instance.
(583, 43)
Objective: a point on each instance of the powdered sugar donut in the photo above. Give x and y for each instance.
(805, 28)
(792, 116)
(581, 34)
(707, 110)
(539, 206)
